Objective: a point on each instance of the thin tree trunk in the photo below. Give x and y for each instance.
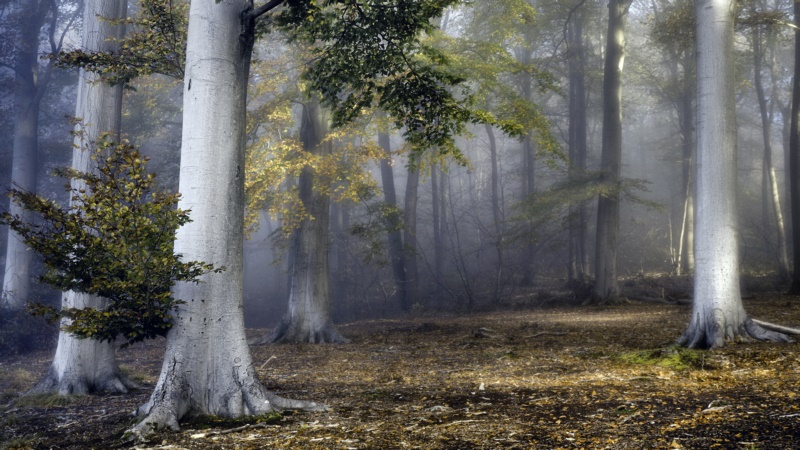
(577, 144)
(718, 315)
(81, 366)
(395, 238)
(606, 288)
(770, 195)
(497, 212)
(207, 366)
(436, 212)
(410, 237)
(17, 276)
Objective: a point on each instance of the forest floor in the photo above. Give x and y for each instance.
(541, 377)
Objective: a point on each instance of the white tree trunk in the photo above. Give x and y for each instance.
(718, 315)
(81, 366)
(17, 276)
(207, 367)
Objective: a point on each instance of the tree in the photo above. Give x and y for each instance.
(606, 288)
(794, 158)
(307, 319)
(31, 17)
(208, 368)
(718, 315)
(395, 240)
(80, 365)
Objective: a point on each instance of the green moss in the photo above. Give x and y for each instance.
(673, 357)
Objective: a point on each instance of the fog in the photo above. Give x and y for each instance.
(466, 259)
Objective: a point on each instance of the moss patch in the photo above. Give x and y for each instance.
(673, 357)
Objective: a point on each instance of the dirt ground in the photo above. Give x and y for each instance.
(543, 378)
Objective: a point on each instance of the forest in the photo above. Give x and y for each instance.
(434, 224)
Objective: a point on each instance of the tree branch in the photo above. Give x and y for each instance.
(265, 8)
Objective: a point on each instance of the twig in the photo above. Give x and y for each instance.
(265, 362)
(547, 333)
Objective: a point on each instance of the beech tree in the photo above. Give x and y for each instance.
(30, 19)
(87, 365)
(606, 288)
(718, 315)
(208, 368)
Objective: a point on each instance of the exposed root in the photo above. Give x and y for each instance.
(289, 333)
(110, 383)
(714, 336)
(778, 328)
(596, 300)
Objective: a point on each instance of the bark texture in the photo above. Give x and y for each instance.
(307, 318)
(207, 366)
(718, 315)
(395, 238)
(577, 264)
(606, 288)
(794, 159)
(82, 366)
(30, 15)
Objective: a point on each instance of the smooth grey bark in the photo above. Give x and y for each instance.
(497, 211)
(772, 215)
(577, 142)
(718, 315)
(207, 366)
(30, 83)
(410, 236)
(606, 287)
(307, 318)
(394, 237)
(82, 366)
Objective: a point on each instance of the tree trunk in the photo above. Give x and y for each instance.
(576, 267)
(606, 288)
(307, 318)
(17, 277)
(81, 366)
(794, 159)
(718, 315)
(497, 211)
(410, 237)
(771, 197)
(207, 367)
(395, 238)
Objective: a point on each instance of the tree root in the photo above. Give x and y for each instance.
(112, 383)
(777, 328)
(288, 333)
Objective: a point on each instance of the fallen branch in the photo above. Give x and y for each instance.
(774, 327)
(546, 333)
(230, 430)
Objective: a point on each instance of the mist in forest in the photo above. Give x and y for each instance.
(508, 219)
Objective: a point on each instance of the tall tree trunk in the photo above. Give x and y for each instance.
(793, 174)
(718, 315)
(577, 143)
(687, 123)
(395, 238)
(770, 193)
(497, 211)
(410, 237)
(207, 367)
(307, 318)
(29, 15)
(606, 288)
(81, 366)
